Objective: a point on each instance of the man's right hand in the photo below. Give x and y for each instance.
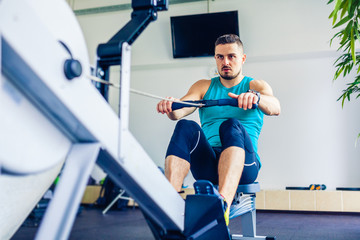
(164, 106)
(196, 92)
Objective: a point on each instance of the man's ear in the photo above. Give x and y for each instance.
(243, 58)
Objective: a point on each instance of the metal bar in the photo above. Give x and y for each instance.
(119, 196)
(165, 209)
(61, 213)
(124, 99)
(106, 9)
(248, 223)
(241, 237)
(121, 7)
(140, 19)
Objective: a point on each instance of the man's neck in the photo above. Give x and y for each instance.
(232, 82)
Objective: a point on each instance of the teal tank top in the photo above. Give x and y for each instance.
(212, 117)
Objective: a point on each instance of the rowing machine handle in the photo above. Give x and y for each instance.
(229, 102)
(177, 105)
(209, 103)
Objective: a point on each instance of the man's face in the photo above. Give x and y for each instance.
(229, 60)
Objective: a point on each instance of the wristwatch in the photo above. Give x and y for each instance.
(256, 93)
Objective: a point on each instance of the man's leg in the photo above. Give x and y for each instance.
(177, 161)
(231, 165)
(188, 148)
(238, 162)
(176, 170)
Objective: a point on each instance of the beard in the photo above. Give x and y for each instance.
(229, 77)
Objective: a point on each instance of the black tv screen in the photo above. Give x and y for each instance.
(195, 35)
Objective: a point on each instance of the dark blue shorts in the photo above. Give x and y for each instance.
(189, 142)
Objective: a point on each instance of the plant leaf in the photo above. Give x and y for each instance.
(352, 39)
(336, 9)
(343, 100)
(342, 21)
(344, 8)
(356, 29)
(337, 5)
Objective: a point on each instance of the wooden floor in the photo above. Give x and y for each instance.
(90, 224)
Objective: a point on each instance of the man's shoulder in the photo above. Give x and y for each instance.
(261, 86)
(200, 87)
(257, 83)
(203, 83)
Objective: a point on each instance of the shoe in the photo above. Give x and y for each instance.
(226, 212)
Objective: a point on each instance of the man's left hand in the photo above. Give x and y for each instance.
(245, 100)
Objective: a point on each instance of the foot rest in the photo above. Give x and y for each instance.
(204, 213)
(249, 188)
(205, 187)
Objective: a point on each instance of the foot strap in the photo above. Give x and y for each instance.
(205, 187)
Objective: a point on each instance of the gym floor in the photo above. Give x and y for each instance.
(129, 223)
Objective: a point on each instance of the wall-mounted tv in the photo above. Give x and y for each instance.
(195, 35)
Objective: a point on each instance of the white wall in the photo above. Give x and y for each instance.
(287, 43)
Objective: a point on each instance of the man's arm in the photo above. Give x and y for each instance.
(196, 92)
(268, 104)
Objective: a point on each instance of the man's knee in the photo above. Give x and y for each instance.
(230, 124)
(232, 133)
(183, 139)
(187, 126)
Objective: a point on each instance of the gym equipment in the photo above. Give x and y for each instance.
(317, 187)
(297, 188)
(311, 187)
(56, 118)
(209, 103)
(347, 189)
(48, 101)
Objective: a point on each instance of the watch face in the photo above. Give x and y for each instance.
(257, 94)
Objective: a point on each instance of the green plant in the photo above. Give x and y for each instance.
(346, 16)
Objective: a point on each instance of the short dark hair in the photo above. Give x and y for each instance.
(229, 38)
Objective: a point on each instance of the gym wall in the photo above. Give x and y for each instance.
(287, 44)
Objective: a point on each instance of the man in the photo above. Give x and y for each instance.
(224, 149)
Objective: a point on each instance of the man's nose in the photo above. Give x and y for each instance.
(226, 61)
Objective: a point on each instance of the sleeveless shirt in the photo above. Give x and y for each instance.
(212, 117)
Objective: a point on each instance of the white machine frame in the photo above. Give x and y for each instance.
(85, 126)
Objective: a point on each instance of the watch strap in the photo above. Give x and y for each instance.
(256, 93)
